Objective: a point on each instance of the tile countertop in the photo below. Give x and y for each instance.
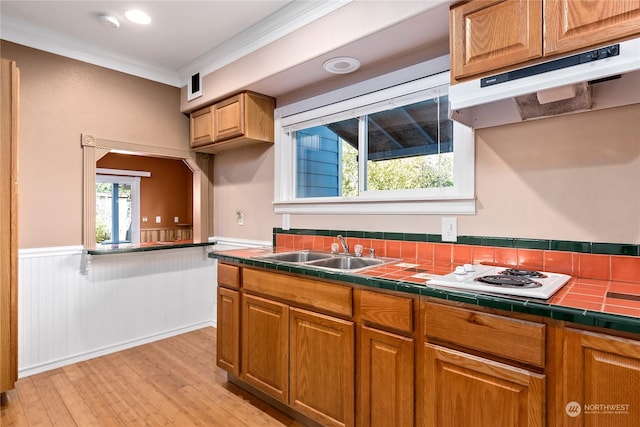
(145, 247)
(600, 303)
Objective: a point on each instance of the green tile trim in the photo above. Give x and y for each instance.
(501, 242)
(513, 304)
(615, 249)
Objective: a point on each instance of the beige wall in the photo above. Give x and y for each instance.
(60, 99)
(573, 177)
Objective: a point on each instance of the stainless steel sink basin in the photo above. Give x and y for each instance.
(336, 262)
(346, 262)
(296, 257)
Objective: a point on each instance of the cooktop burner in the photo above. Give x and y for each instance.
(507, 281)
(501, 280)
(522, 273)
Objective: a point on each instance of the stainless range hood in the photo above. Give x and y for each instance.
(605, 77)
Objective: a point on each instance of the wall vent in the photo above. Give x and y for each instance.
(194, 88)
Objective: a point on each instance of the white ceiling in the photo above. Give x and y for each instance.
(190, 36)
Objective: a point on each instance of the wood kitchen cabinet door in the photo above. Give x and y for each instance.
(386, 379)
(488, 35)
(229, 118)
(576, 24)
(600, 370)
(228, 331)
(265, 346)
(201, 127)
(322, 368)
(463, 390)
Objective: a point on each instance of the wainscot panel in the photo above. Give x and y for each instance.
(124, 301)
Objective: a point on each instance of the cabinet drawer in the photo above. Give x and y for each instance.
(514, 339)
(322, 296)
(229, 276)
(387, 310)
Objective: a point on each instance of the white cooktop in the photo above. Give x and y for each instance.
(466, 279)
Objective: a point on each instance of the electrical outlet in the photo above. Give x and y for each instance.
(158, 219)
(176, 219)
(145, 219)
(449, 229)
(239, 217)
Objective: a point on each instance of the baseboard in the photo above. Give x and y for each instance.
(54, 364)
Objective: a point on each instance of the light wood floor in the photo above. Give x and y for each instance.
(172, 382)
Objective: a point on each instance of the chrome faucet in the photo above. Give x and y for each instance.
(345, 247)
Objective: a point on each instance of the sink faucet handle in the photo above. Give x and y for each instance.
(372, 252)
(357, 249)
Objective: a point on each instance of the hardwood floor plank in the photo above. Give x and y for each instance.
(173, 382)
(91, 397)
(75, 404)
(56, 409)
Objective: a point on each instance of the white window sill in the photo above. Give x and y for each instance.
(445, 206)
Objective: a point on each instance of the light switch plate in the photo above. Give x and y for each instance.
(158, 219)
(449, 229)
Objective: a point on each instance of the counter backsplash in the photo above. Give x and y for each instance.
(602, 261)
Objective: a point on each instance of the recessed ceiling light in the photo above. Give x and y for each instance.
(137, 16)
(108, 21)
(341, 65)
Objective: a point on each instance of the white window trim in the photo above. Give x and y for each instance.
(134, 182)
(459, 199)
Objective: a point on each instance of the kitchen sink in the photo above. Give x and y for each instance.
(296, 257)
(336, 262)
(347, 262)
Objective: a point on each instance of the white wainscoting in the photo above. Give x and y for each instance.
(125, 300)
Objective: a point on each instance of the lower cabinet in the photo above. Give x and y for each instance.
(301, 358)
(228, 331)
(465, 390)
(265, 346)
(295, 340)
(322, 367)
(602, 380)
(386, 379)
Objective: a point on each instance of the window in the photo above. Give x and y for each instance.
(117, 209)
(390, 151)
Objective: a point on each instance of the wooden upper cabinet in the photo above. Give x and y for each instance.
(488, 35)
(574, 24)
(243, 119)
(229, 118)
(201, 127)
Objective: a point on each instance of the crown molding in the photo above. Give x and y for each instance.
(20, 32)
(286, 20)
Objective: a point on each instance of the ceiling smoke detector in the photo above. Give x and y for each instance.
(341, 65)
(109, 21)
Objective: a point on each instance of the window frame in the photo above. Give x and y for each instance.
(458, 199)
(134, 182)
